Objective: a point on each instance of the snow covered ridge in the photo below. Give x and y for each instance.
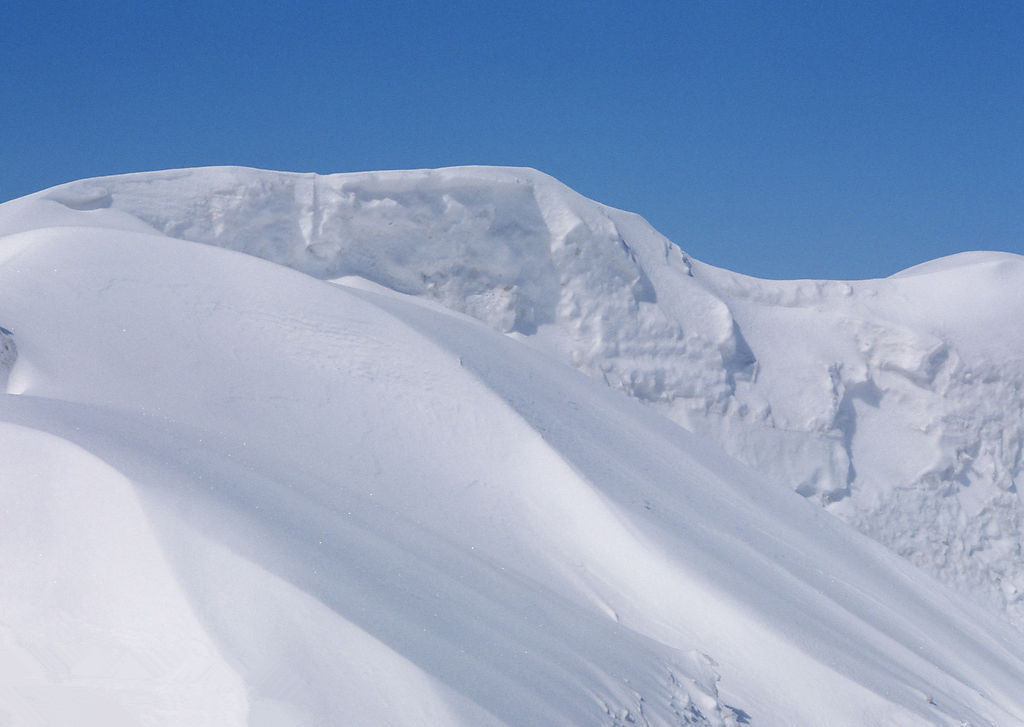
(206, 523)
(896, 403)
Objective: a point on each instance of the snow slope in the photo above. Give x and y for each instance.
(237, 494)
(895, 403)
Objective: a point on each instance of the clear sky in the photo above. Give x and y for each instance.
(779, 139)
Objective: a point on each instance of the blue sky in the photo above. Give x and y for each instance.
(831, 140)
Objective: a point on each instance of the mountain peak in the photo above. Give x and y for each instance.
(341, 461)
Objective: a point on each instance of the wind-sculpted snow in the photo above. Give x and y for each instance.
(896, 403)
(235, 494)
(918, 381)
(212, 527)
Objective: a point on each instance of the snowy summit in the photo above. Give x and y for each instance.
(462, 447)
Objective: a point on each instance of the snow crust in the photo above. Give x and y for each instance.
(247, 495)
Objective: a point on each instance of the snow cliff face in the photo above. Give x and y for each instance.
(8, 355)
(896, 403)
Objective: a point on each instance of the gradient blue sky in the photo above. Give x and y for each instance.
(779, 139)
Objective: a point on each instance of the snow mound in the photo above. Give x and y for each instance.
(957, 262)
(211, 527)
(896, 403)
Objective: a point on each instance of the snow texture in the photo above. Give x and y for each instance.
(239, 494)
(896, 403)
(8, 355)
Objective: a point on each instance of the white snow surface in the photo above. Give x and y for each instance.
(238, 494)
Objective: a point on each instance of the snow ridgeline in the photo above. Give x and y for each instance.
(896, 403)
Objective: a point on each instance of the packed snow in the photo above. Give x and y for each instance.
(490, 454)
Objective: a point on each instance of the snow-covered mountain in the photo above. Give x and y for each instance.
(372, 491)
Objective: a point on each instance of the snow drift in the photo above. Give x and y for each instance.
(237, 494)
